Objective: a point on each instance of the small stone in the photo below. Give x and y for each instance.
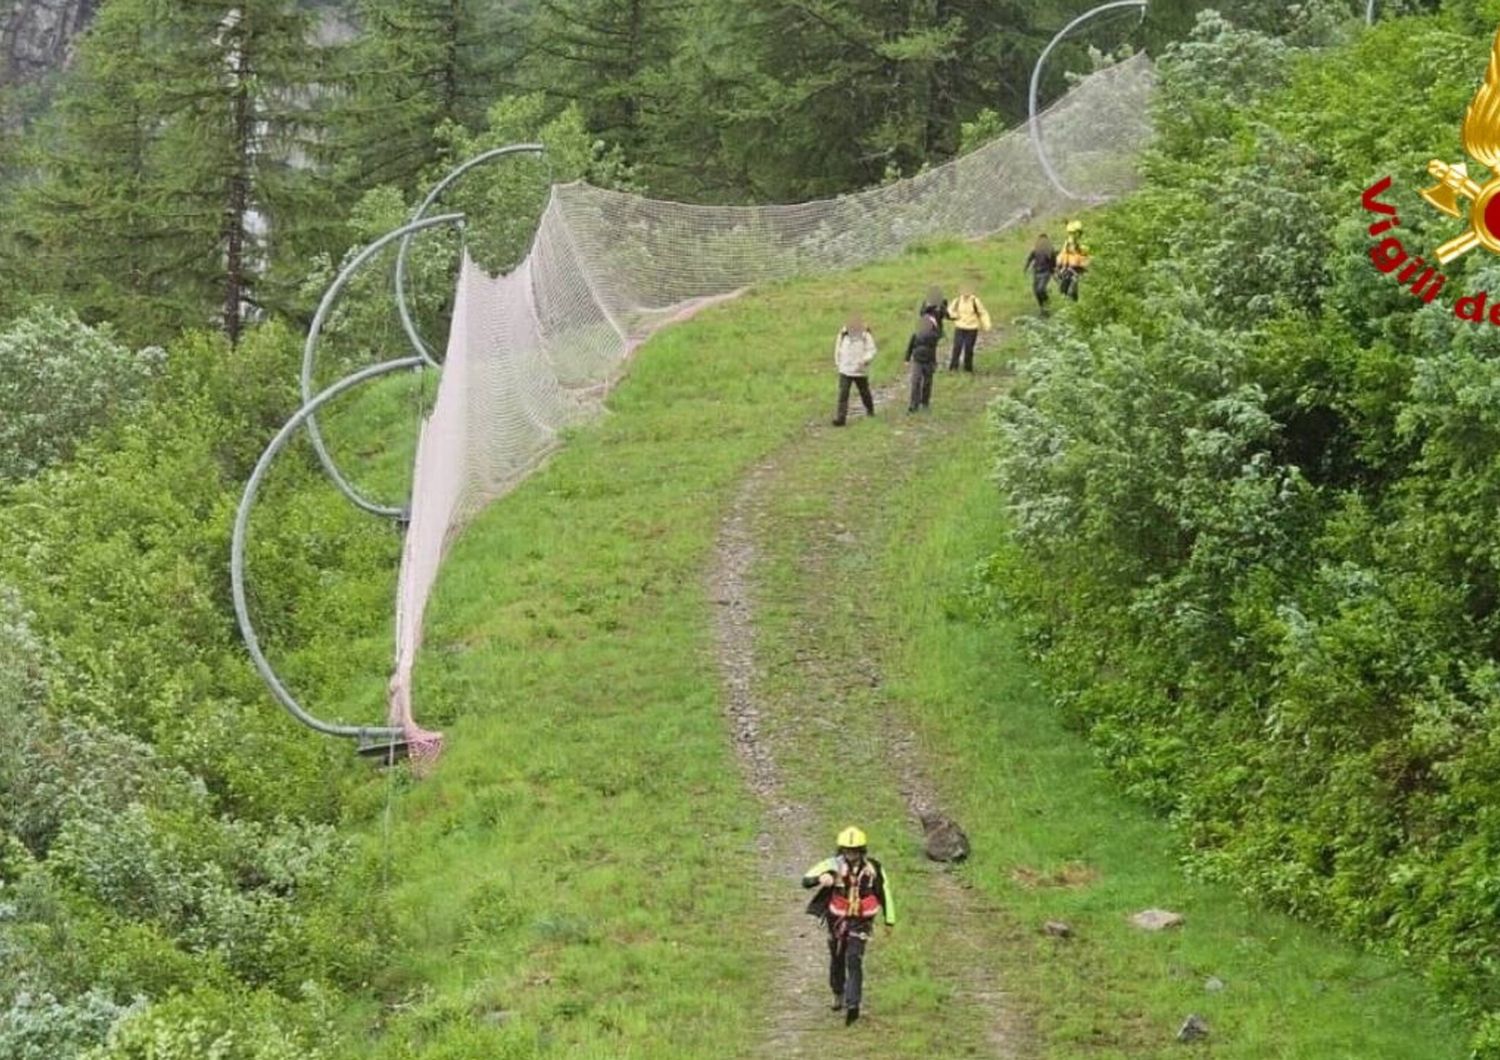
(1157, 919)
(945, 841)
(1057, 929)
(1214, 984)
(1193, 1029)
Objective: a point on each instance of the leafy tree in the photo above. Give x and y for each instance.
(1258, 555)
(59, 381)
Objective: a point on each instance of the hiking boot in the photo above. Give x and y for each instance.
(851, 1015)
(838, 1002)
(838, 423)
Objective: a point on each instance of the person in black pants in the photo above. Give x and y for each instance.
(1041, 263)
(921, 353)
(969, 317)
(853, 889)
(853, 351)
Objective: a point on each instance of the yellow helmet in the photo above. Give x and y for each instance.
(1075, 226)
(851, 837)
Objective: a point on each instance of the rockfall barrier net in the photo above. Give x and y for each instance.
(535, 351)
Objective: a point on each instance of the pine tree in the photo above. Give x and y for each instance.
(177, 170)
(419, 66)
(819, 96)
(610, 58)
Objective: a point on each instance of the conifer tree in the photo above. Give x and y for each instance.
(418, 67)
(815, 97)
(177, 171)
(611, 59)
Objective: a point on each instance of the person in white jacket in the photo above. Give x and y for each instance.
(853, 351)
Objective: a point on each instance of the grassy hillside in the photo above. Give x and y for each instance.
(578, 877)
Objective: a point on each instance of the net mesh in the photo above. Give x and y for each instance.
(534, 351)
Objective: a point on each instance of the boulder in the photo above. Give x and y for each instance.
(1193, 1029)
(1157, 919)
(944, 840)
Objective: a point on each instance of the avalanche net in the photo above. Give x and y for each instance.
(536, 350)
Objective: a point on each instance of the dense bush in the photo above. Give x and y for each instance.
(171, 883)
(1253, 495)
(59, 381)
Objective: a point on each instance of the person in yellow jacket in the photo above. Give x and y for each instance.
(969, 317)
(1072, 260)
(853, 889)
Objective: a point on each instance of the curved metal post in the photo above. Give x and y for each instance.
(310, 350)
(1370, 13)
(1034, 121)
(418, 345)
(237, 551)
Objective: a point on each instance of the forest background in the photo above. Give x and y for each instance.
(1258, 484)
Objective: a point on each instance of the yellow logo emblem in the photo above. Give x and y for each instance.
(1481, 138)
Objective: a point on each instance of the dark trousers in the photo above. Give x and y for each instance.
(1067, 281)
(846, 961)
(1039, 283)
(921, 384)
(963, 346)
(865, 396)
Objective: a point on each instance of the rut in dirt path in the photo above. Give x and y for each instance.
(833, 676)
(799, 1023)
(785, 846)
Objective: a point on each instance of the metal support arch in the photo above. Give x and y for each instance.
(1034, 122)
(418, 345)
(237, 552)
(310, 351)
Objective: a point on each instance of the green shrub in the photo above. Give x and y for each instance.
(61, 380)
(1252, 495)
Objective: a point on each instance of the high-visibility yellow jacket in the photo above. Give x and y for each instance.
(968, 313)
(1073, 255)
(854, 895)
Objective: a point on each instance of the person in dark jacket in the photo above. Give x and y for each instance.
(853, 889)
(1041, 263)
(936, 306)
(921, 353)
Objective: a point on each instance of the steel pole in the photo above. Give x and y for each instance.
(237, 551)
(1034, 120)
(310, 353)
(418, 345)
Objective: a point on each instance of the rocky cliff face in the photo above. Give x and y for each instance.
(36, 36)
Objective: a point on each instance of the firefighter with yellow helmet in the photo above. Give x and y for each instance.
(853, 890)
(1072, 260)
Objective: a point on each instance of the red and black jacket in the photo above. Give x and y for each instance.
(855, 895)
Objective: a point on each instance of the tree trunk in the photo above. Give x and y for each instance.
(237, 204)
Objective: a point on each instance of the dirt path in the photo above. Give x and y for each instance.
(784, 846)
(774, 722)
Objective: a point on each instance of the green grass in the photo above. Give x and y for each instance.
(910, 514)
(578, 877)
